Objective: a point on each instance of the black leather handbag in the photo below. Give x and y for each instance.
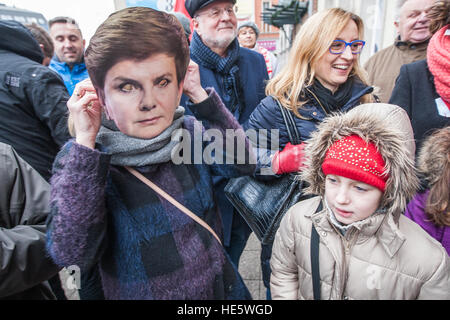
(263, 203)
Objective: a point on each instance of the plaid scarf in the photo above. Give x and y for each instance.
(227, 67)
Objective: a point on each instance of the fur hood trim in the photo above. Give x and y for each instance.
(389, 128)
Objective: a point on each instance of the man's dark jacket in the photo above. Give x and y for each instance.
(415, 92)
(33, 111)
(253, 76)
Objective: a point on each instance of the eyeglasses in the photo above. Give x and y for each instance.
(339, 46)
(216, 13)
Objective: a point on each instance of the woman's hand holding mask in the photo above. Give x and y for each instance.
(192, 86)
(85, 113)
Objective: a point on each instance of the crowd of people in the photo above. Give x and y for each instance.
(89, 136)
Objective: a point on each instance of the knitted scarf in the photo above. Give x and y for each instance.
(227, 67)
(331, 102)
(438, 60)
(135, 152)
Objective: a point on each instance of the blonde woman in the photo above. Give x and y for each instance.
(321, 76)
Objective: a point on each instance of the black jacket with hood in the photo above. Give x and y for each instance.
(33, 111)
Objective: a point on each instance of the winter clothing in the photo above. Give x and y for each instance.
(70, 76)
(416, 212)
(290, 159)
(415, 92)
(353, 158)
(384, 66)
(146, 247)
(136, 152)
(432, 162)
(193, 5)
(385, 256)
(24, 205)
(438, 60)
(32, 100)
(267, 115)
(249, 72)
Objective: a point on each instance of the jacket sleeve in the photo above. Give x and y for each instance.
(24, 205)
(438, 286)
(225, 145)
(77, 226)
(267, 134)
(401, 95)
(48, 96)
(284, 282)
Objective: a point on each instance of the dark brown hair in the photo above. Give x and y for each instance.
(439, 15)
(42, 37)
(136, 33)
(434, 166)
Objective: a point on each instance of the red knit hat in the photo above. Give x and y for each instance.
(353, 158)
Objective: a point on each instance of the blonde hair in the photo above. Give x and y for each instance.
(311, 43)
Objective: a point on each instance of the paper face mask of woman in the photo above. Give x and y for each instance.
(142, 96)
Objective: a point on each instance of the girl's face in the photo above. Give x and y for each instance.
(333, 69)
(351, 200)
(142, 96)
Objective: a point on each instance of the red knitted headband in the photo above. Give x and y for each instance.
(353, 158)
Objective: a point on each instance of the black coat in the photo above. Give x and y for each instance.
(414, 91)
(33, 111)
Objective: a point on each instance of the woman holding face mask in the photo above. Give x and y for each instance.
(322, 76)
(103, 210)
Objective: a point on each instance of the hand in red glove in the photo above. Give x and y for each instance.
(290, 159)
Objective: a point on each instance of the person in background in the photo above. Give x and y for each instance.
(186, 23)
(68, 61)
(322, 76)
(44, 40)
(423, 87)
(248, 34)
(33, 111)
(24, 206)
(129, 117)
(430, 208)
(412, 24)
(360, 166)
(238, 75)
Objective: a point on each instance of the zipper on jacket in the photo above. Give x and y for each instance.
(348, 245)
(318, 101)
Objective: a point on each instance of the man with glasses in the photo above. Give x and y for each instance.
(238, 75)
(411, 45)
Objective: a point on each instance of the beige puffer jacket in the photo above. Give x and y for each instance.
(386, 256)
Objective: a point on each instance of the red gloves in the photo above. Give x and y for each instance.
(290, 159)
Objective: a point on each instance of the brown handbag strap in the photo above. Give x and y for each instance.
(169, 198)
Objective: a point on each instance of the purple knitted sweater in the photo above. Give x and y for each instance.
(146, 247)
(416, 212)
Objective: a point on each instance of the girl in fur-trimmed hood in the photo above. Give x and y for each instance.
(361, 166)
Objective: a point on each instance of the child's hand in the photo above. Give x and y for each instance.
(192, 86)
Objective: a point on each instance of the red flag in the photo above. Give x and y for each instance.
(179, 7)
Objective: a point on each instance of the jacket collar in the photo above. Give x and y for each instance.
(380, 225)
(58, 64)
(407, 45)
